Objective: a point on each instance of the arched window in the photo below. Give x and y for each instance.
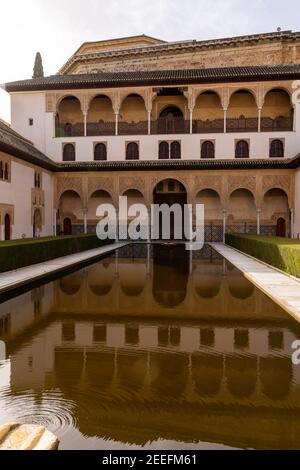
(207, 150)
(6, 171)
(242, 149)
(276, 149)
(175, 150)
(69, 153)
(163, 151)
(1, 171)
(100, 152)
(132, 151)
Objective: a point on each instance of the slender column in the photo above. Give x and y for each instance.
(259, 119)
(224, 224)
(54, 124)
(292, 223)
(294, 118)
(117, 123)
(258, 213)
(55, 222)
(85, 211)
(191, 121)
(149, 122)
(117, 225)
(225, 120)
(84, 123)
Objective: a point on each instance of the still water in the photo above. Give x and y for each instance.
(153, 347)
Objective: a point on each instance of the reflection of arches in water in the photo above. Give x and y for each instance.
(240, 287)
(68, 366)
(133, 275)
(207, 373)
(170, 374)
(100, 368)
(170, 275)
(208, 286)
(241, 374)
(132, 370)
(70, 285)
(276, 374)
(101, 278)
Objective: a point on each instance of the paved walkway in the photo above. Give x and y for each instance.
(14, 279)
(281, 288)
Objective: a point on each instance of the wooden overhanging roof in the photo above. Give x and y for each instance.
(157, 78)
(14, 144)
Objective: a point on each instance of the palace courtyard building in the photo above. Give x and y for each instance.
(214, 122)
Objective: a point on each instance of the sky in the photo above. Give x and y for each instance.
(56, 28)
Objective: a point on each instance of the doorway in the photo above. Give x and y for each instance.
(281, 228)
(67, 226)
(170, 192)
(7, 230)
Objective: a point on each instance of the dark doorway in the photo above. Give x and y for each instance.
(37, 223)
(281, 228)
(170, 192)
(67, 226)
(7, 227)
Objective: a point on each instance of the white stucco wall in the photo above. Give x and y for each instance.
(33, 105)
(17, 193)
(297, 205)
(25, 106)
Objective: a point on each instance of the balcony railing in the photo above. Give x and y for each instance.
(283, 124)
(100, 128)
(242, 125)
(175, 126)
(208, 126)
(133, 128)
(69, 130)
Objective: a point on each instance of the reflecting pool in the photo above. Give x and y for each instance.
(152, 347)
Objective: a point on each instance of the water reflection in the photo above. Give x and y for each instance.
(135, 348)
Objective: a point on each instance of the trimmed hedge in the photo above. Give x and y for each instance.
(19, 253)
(282, 253)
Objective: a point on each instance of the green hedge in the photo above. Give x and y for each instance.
(19, 253)
(282, 253)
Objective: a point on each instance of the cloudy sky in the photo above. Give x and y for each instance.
(56, 28)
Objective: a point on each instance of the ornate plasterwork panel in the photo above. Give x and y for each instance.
(100, 184)
(126, 183)
(66, 183)
(241, 182)
(277, 181)
(208, 182)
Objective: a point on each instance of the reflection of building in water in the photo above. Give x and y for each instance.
(123, 374)
(215, 365)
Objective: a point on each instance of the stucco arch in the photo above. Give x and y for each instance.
(130, 93)
(69, 95)
(198, 93)
(101, 93)
(252, 91)
(174, 178)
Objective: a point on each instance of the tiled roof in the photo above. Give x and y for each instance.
(161, 165)
(157, 77)
(14, 144)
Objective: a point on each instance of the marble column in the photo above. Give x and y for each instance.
(224, 224)
(258, 214)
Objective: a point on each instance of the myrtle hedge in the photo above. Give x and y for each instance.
(283, 253)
